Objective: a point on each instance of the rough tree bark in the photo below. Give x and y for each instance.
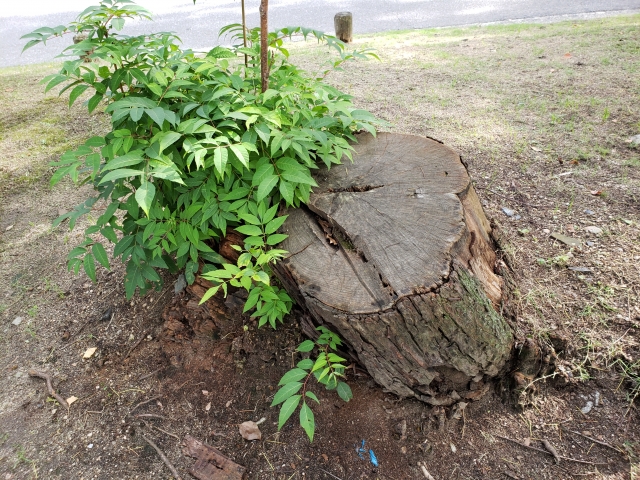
(394, 253)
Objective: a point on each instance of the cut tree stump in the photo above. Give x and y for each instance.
(395, 254)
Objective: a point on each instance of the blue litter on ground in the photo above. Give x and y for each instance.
(372, 456)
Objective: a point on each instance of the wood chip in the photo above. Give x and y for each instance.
(572, 242)
(89, 353)
(210, 463)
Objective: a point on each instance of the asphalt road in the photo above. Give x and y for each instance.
(198, 24)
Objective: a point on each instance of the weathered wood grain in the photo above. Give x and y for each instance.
(394, 253)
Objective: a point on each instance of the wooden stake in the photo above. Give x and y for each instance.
(244, 34)
(264, 44)
(343, 23)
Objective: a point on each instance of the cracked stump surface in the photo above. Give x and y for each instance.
(395, 254)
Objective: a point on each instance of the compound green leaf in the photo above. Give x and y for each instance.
(76, 92)
(144, 196)
(156, 114)
(94, 102)
(117, 23)
(220, 155)
(286, 190)
(89, 266)
(100, 254)
(168, 138)
(285, 392)
(287, 409)
(305, 364)
(127, 160)
(306, 346)
(307, 420)
(265, 187)
(121, 173)
(293, 375)
(275, 224)
(241, 154)
(344, 391)
(312, 396)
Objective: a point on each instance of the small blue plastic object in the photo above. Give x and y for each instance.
(361, 450)
(372, 457)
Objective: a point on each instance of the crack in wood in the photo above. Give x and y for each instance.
(354, 188)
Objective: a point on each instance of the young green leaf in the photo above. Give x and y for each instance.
(344, 391)
(288, 407)
(89, 266)
(312, 396)
(306, 346)
(100, 254)
(208, 294)
(305, 364)
(144, 195)
(307, 421)
(285, 392)
(293, 376)
(156, 114)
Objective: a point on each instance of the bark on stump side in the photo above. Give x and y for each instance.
(343, 24)
(394, 253)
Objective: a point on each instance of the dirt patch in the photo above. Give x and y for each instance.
(542, 116)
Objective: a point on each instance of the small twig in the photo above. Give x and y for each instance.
(144, 377)
(82, 328)
(507, 197)
(47, 378)
(425, 472)
(64, 347)
(164, 431)
(604, 444)
(150, 415)
(145, 402)
(110, 320)
(551, 449)
(569, 459)
(164, 458)
(329, 473)
(135, 345)
(150, 427)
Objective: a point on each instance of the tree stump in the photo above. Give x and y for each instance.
(343, 24)
(395, 254)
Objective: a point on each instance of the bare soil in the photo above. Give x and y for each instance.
(542, 114)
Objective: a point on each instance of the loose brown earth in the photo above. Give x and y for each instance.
(541, 114)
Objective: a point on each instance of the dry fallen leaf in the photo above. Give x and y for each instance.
(596, 192)
(250, 431)
(89, 353)
(208, 407)
(70, 400)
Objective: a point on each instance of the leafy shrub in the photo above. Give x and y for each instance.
(196, 148)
